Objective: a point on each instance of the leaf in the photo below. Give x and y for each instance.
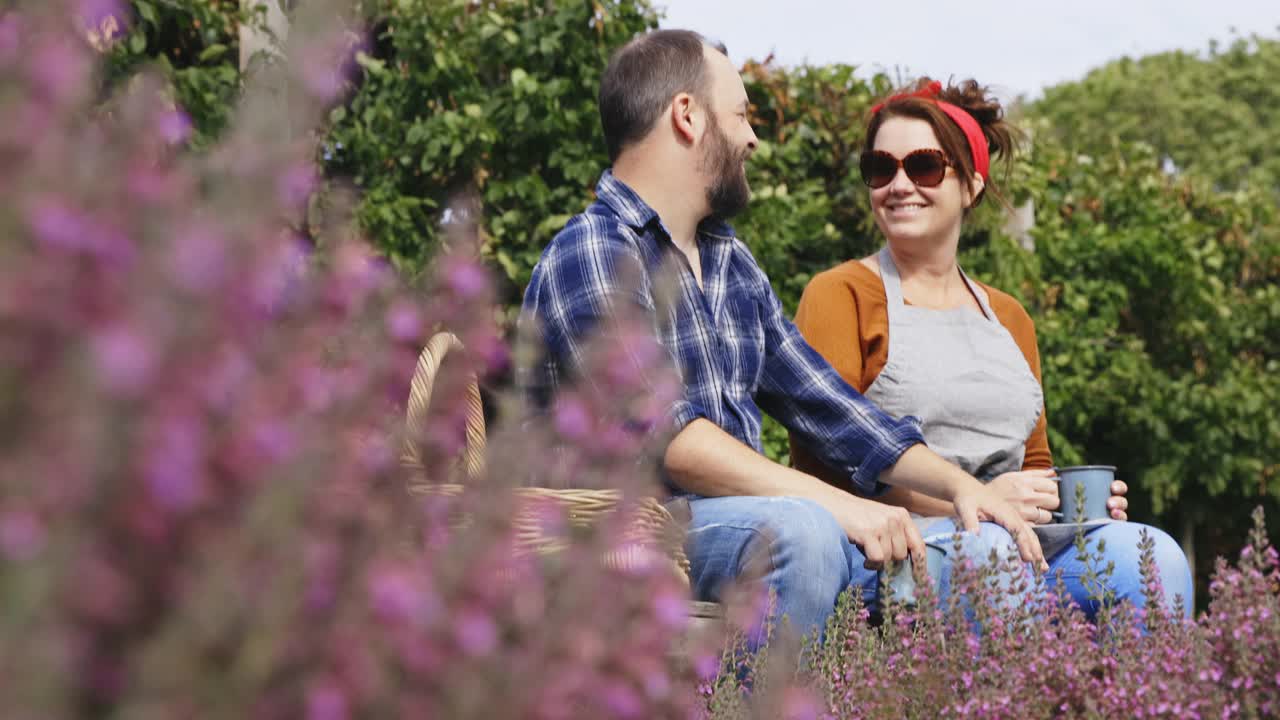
(213, 52)
(373, 65)
(146, 10)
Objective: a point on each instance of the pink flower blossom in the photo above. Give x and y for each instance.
(671, 609)
(622, 700)
(124, 358)
(572, 418)
(325, 701)
(22, 535)
(10, 37)
(59, 70)
(466, 278)
(476, 632)
(174, 126)
(173, 471)
(404, 322)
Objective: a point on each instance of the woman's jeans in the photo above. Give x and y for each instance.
(803, 555)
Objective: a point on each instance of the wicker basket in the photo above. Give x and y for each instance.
(650, 522)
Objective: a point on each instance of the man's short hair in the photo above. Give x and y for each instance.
(641, 79)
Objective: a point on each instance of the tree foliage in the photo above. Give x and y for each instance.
(499, 97)
(1216, 115)
(1158, 313)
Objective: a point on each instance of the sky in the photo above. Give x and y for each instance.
(1018, 48)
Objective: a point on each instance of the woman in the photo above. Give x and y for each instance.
(913, 333)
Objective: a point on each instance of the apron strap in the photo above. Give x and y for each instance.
(893, 288)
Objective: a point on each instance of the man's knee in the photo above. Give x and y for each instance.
(801, 536)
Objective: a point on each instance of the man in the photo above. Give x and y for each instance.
(675, 116)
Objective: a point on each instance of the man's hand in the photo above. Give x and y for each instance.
(883, 532)
(977, 501)
(1033, 493)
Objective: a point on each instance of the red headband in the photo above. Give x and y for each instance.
(972, 132)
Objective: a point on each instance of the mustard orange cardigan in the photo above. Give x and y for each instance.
(842, 315)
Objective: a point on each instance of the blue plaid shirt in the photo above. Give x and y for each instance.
(735, 348)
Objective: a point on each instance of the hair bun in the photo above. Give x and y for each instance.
(978, 101)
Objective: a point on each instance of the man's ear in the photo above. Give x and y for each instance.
(975, 189)
(685, 118)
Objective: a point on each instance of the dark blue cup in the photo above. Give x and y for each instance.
(1096, 483)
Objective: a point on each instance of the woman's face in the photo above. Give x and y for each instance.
(908, 213)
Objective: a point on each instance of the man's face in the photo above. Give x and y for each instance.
(728, 140)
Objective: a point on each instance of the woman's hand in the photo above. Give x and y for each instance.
(1118, 504)
(1034, 493)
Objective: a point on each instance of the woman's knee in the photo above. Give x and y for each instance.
(1124, 547)
(992, 543)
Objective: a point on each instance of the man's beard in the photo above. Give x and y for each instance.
(728, 193)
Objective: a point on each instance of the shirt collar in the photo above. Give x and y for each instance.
(636, 213)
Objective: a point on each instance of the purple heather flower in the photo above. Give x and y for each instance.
(58, 225)
(21, 535)
(671, 609)
(148, 182)
(706, 665)
(376, 455)
(319, 385)
(321, 76)
(572, 418)
(10, 37)
(618, 440)
(275, 439)
(404, 321)
(198, 259)
(395, 597)
(174, 126)
(124, 359)
(622, 700)
(466, 278)
(657, 684)
(326, 701)
(93, 12)
(59, 69)
(173, 470)
(476, 632)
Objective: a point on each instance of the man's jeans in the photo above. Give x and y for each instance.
(803, 555)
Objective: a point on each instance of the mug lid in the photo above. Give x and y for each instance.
(1071, 468)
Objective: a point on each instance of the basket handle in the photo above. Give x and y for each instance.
(424, 377)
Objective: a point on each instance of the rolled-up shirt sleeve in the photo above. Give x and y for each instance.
(832, 419)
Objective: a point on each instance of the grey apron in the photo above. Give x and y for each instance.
(968, 382)
(963, 375)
